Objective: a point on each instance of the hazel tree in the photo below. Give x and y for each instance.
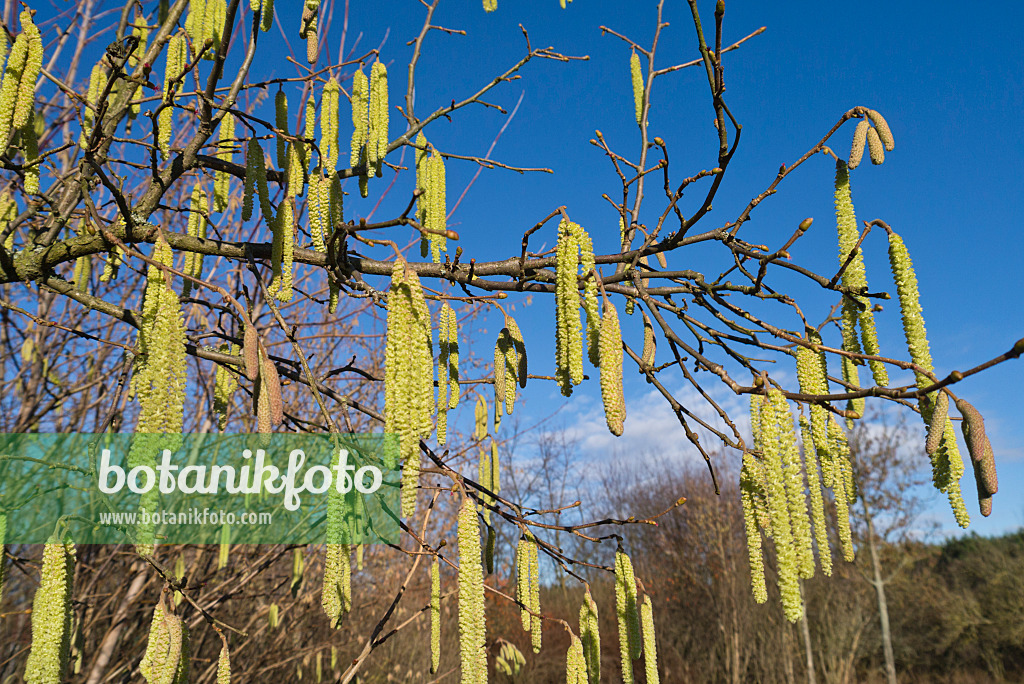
(170, 238)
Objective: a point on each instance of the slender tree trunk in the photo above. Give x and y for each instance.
(787, 653)
(806, 630)
(883, 610)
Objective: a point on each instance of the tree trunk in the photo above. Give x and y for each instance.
(883, 610)
(806, 630)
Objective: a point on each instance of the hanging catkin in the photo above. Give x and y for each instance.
(750, 487)
(329, 125)
(17, 92)
(196, 227)
(97, 80)
(447, 369)
(225, 385)
(224, 666)
(435, 616)
(267, 15)
(283, 250)
(360, 120)
(882, 126)
(51, 614)
(377, 134)
(161, 378)
(308, 30)
(281, 124)
(630, 644)
(947, 463)
(774, 413)
(818, 520)
(611, 370)
(854, 277)
(408, 375)
(434, 204)
(573, 248)
(575, 662)
(591, 637)
(796, 501)
(472, 625)
(256, 182)
(226, 153)
(177, 57)
(650, 643)
(860, 136)
(480, 410)
(336, 596)
(519, 349)
(638, 86)
(875, 149)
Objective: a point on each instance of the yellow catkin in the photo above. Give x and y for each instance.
(480, 428)
(224, 666)
(818, 520)
(638, 86)
(882, 127)
(51, 614)
(296, 172)
(435, 214)
(409, 375)
(435, 616)
(30, 140)
(97, 80)
(196, 227)
(796, 500)
(17, 93)
(611, 370)
(875, 149)
(256, 182)
(141, 33)
(377, 132)
(161, 379)
(854, 277)
(630, 644)
(590, 306)
(225, 385)
(591, 637)
(267, 16)
(224, 547)
(336, 596)
(650, 647)
(26, 103)
(177, 53)
(569, 340)
(536, 624)
(226, 153)
(329, 125)
(360, 118)
(490, 5)
(575, 662)
(525, 553)
(860, 136)
(447, 370)
(472, 621)
(947, 463)
(750, 487)
(281, 124)
(511, 362)
(773, 448)
(283, 250)
(216, 14)
(519, 347)
(318, 205)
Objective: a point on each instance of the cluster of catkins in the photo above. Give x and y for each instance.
(431, 205)
(773, 494)
(18, 95)
(575, 252)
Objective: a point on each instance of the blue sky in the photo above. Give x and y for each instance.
(949, 79)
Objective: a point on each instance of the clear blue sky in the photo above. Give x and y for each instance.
(949, 77)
